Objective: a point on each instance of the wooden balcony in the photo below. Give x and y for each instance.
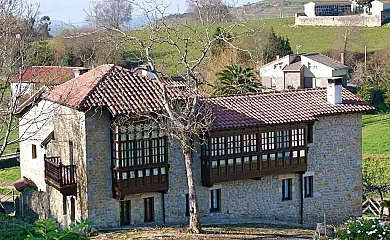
(140, 179)
(62, 177)
(252, 166)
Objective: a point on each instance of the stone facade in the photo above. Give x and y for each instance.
(334, 161)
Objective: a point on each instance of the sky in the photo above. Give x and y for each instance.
(74, 11)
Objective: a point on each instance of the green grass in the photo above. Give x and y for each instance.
(310, 38)
(6, 191)
(9, 175)
(376, 134)
(14, 135)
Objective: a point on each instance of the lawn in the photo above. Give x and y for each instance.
(376, 134)
(9, 175)
(247, 231)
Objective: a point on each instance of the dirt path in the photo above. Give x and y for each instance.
(254, 231)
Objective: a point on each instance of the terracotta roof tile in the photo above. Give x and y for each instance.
(279, 108)
(123, 92)
(116, 88)
(49, 75)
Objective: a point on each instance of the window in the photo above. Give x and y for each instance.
(271, 140)
(34, 151)
(264, 142)
(72, 209)
(310, 132)
(218, 146)
(187, 205)
(215, 200)
(149, 209)
(308, 181)
(286, 189)
(298, 137)
(282, 139)
(64, 208)
(124, 212)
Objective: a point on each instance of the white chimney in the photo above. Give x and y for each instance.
(334, 90)
(79, 71)
(148, 74)
(277, 57)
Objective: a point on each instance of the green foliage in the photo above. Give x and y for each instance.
(364, 229)
(236, 80)
(276, 46)
(48, 229)
(40, 54)
(12, 228)
(376, 175)
(365, 93)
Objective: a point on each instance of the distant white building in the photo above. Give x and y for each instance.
(302, 71)
(344, 13)
(313, 9)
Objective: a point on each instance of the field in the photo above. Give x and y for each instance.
(376, 134)
(310, 38)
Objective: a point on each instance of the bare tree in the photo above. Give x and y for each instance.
(208, 10)
(184, 117)
(16, 35)
(111, 13)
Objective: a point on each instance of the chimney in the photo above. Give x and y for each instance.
(80, 71)
(334, 90)
(145, 71)
(277, 57)
(342, 55)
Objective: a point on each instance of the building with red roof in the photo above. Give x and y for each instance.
(287, 156)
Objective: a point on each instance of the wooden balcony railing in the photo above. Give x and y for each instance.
(140, 179)
(61, 177)
(253, 166)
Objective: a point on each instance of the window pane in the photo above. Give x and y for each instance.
(140, 173)
(230, 162)
(124, 175)
(147, 172)
(238, 161)
(295, 154)
(272, 157)
(162, 169)
(132, 174)
(237, 144)
(280, 156)
(302, 153)
(287, 155)
(214, 164)
(155, 171)
(264, 157)
(222, 163)
(246, 159)
(254, 158)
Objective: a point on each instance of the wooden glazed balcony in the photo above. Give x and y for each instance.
(140, 179)
(251, 166)
(62, 177)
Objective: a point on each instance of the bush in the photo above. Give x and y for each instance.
(364, 229)
(48, 229)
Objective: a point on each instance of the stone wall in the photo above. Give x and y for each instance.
(351, 20)
(103, 209)
(294, 79)
(69, 126)
(334, 161)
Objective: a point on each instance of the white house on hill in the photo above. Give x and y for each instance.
(302, 71)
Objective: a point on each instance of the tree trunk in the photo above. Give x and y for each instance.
(194, 216)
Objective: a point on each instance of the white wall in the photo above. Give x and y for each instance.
(18, 89)
(34, 127)
(316, 69)
(271, 70)
(309, 9)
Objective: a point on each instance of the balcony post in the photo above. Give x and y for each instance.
(60, 180)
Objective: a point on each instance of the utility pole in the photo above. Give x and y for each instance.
(365, 58)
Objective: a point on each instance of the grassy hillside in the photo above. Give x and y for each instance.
(310, 38)
(376, 134)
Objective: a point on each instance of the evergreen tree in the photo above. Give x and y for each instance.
(276, 45)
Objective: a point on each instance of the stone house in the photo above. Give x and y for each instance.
(288, 156)
(296, 71)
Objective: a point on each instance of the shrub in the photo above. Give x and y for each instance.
(364, 229)
(48, 229)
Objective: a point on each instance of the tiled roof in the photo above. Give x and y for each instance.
(49, 75)
(116, 88)
(333, 2)
(26, 105)
(330, 62)
(240, 111)
(293, 66)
